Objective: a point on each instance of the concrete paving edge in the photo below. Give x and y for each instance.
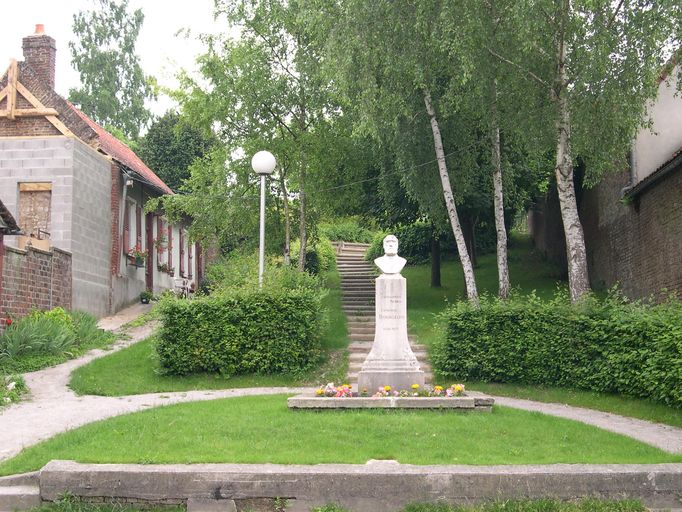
(377, 485)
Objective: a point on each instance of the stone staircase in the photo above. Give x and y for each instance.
(357, 287)
(19, 492)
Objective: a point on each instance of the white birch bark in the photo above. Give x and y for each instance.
(498, 196)
(287, 221)
(576, 255)
(469, 279)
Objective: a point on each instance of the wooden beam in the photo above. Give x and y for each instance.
(4, 92)
(36, 103)
(12, 84)
(30, 112)
(35, 187)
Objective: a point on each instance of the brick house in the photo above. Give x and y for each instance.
(633, 218)
(75, 187)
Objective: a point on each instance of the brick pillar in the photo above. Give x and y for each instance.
(40, 53)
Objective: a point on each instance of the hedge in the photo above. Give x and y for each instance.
(269, 331)
(610, 346)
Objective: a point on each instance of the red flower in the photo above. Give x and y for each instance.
(8, 321)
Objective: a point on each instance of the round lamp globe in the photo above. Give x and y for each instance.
(263, 162)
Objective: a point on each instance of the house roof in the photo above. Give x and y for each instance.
(670, 166)
(123, 154)
(8, 225)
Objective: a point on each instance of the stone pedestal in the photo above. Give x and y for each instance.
(391, 361)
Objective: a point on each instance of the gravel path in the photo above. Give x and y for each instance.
(53, 408)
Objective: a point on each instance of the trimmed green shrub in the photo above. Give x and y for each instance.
(347, 229)
(606, 345)
(247, 331)
(319, 258)
(414, 243)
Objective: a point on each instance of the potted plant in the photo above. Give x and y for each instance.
(137, 256)
(163, 267)
(146, 296)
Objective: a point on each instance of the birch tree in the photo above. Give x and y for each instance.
(389, 57)
(597, 63)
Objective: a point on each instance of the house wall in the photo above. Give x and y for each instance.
(45, 159)
(34, 279)
(80, 217)
(636, 245)
(91, 230)
(655, 146)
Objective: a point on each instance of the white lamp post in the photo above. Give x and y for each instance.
(263, 163)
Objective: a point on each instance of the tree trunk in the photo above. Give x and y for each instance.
(502, 266)
(578, 279)
(287, 221)
(303, 234)
(435, 262)
(469, 230)
(469, 279)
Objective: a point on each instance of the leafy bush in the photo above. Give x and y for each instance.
(347, 229)
(32, 342)
(612, 346)
(320, 257)
(272, 330)
(414, 243)
(11, 389)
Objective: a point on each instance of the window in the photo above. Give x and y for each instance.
(35, 204)
(182, 252)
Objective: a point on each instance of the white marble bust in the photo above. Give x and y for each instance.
(390, 262)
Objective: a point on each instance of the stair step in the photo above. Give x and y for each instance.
(354, 357)
(356, 366)
(361, 330)
(352, 378)
(19, 497)
(359, 346)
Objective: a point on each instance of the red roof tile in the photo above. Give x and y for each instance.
(122, 153)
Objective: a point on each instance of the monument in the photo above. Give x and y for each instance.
(391, 361)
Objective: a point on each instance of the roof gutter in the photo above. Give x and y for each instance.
(648, 182)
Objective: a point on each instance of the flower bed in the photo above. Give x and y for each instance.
(416, 391)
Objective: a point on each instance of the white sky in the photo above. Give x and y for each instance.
(161, 52)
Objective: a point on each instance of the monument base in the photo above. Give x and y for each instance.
(398, 380)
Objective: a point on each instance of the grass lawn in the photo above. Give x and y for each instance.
(616, 404)
(527, 272)
(262, 429)
(135, 370)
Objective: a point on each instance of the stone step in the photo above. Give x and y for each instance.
(353, 379)
(359, 294)
(366, 346)
(356, 366)
(353, 299)
(19, 497)
(354, 357)
(361, 330)
(352, 258)
(365, 319)
(350, 265)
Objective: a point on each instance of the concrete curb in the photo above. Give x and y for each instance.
(377, 485)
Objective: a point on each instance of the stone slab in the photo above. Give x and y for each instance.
(314, 402)
(379, 485)
(210, 505)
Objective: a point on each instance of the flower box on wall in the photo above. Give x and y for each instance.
(136, 261)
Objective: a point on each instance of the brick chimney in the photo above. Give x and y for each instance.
(40, 53)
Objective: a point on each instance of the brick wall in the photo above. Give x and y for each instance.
(637, 245)
(34, 279)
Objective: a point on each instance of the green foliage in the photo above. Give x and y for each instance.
(414, 242)
(171, 145)
(113, 86)
(320, 257)
(12, 387)
(633, 349)
(43, 338)
(347, 229)
(246, 331)
(542, 505)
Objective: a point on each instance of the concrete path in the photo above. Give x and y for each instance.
(665, 437)
(53, 408)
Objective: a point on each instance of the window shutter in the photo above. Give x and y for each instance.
(189, 260)
(170, 247)
(138, 227)
(182, 252)
(126, 228)
(159, 239)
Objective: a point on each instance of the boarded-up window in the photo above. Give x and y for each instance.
(138, 227)
(170, 248)
(35, 203)
(126, 228)
(189, 260)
